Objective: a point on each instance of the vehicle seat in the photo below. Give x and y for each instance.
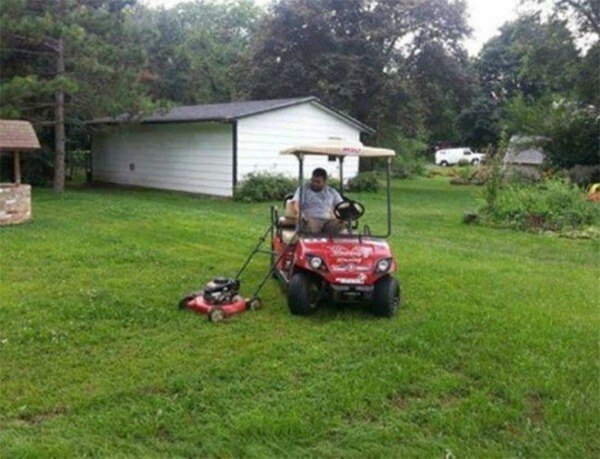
(289, 236)
(290, 216)
(287, 223)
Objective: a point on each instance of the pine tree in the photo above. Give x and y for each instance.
(66, 61)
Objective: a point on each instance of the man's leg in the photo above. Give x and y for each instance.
(314, 225)
(333, 226)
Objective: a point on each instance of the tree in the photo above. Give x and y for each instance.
(480, 123)
(194, 49)
(571, 131)
(528, 58)
(444, 83)
(66, 61)
(354, 54)
(586, 14)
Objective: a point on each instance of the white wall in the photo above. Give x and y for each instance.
(193, 157)
(261, 137)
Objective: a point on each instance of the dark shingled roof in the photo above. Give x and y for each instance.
(229, 111)
(17, 135)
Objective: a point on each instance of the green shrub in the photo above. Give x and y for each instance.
(365, 181)
(410, 159)
(331, 182)
(264, 187)
(492, 184)
(463, 162)
(583, 176)
(556, 205)
(408, 165)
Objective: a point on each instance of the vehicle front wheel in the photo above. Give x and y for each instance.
(475, 162)
(303, 294)
(386, 297)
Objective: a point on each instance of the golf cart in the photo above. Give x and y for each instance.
(352, 266)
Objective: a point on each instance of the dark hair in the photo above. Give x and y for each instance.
(320, 172)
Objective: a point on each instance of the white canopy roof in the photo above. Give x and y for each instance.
(338, 147)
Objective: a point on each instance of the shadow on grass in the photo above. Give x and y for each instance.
(342, 311)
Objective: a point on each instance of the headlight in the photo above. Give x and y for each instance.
(383, 265)
(316, 262)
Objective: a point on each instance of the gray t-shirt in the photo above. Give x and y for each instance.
(318, 204)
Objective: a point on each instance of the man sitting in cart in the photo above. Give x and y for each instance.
(318, 202)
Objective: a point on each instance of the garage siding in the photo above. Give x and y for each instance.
(261, 137)
(192, 157)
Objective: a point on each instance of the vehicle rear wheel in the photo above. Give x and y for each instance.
(444, 164)
(303, 294)
(386, 297)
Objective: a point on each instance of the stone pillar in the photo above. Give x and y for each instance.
(15, 203)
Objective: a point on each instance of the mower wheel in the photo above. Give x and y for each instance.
(303, 294)
(216, 315)
(190, 296)
(386, 297)
(254, 304)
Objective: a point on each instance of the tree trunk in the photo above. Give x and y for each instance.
(59, 124)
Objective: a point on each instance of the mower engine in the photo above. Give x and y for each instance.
(221, 290)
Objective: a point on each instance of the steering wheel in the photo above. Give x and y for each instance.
(348, 210)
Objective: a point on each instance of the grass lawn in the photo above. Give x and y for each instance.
(495, 353)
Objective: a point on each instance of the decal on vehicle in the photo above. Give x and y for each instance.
(353, 251)
(352, 150)
(350, 267)
(352, 280)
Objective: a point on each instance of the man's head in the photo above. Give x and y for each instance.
(318, 180)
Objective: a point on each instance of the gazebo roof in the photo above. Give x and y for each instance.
(17, 135)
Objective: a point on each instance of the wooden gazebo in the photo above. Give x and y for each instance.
(15, 199)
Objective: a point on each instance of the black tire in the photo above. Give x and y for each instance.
(475, 162)
(386, 297)
(444, 163)
(303, 294)
(216, 315)
(254, 304)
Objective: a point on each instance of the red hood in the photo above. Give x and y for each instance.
(347, 257)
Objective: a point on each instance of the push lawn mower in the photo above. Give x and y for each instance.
(353, 266)
(220, 298)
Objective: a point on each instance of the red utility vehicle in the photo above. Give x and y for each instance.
(348, 267)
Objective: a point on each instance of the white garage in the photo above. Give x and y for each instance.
(210, 148)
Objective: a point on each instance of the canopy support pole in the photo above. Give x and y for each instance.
(301, 186)
(389, 197)
(341, 175)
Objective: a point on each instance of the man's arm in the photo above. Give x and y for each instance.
(337, 197)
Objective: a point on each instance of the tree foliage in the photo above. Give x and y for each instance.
(397, 65)
(194, 50)
(363, 56)
(66, 61)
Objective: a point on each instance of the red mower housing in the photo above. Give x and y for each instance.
(216, 312)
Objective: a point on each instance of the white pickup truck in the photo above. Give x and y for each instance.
(450, 156)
